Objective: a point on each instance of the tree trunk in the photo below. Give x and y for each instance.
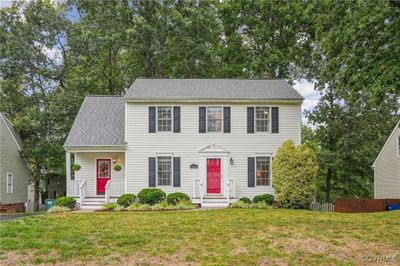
(328, 185)
(36, 195)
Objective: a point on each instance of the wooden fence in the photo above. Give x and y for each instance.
(322, 207)
(363, 205)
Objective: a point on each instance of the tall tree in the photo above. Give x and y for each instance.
(31, 72)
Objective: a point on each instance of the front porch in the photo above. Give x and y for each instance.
(98, 179)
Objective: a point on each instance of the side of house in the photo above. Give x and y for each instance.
(387, 168)
(13, 169)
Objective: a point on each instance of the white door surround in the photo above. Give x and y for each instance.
(214, 152)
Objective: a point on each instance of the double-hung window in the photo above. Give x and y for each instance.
(263, 171)
(164, 171)
(214, 119)
(262, 119)
(164, 118)
(10, 183)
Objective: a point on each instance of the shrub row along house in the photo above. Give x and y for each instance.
(213, 139)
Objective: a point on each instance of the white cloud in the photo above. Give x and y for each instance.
(306, 89)
(5, 3)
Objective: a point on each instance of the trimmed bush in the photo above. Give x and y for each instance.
(151, 196)
(76, 167)
(58, 209)
(245, 199)
(68, 202)
(109, 206)
(126, 199)
(117, 167)
(267, 198)
(175, 198)
(295, 170)
(260, 205)
(240, 205)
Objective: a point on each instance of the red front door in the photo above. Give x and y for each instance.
(103, 174)
(214, 176)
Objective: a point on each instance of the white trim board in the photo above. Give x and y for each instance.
(387, 141)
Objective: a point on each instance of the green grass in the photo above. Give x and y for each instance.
(220, 237)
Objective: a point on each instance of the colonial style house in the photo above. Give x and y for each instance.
(387, 168)
(213, 139)
(13, 169)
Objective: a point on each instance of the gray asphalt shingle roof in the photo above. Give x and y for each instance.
(100, 122)
(231, 89)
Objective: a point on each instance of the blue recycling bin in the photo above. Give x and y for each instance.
(49, 203)
(393, 207)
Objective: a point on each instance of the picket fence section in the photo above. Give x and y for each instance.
(322, 207)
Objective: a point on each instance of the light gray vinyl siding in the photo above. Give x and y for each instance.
(141, 145)
(87, 161)
(387, 169)
(11, 162)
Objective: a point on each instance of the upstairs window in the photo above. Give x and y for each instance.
(214, 119)
(10, 183)
(164, 171)
(262, 119)
(164, 119)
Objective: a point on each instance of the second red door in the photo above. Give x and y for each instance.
(214, 176)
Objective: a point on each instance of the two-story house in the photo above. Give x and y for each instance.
(213, 139)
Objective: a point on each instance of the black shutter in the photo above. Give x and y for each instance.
(177, 171)
(152, 171)
(227, 120)
(250, 119)
(202, 120)
(177, 119)
(275, 119)
(152, 119)
(251, 175)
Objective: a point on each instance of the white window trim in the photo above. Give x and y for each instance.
(172, 120)
(398, 146)
(255, 120)
(222, 119)
(270, 170)
(172, 170)
(12, 183)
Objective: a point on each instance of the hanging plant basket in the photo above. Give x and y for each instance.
(117, 167)
(76, 167)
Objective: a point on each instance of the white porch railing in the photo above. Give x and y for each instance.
(198, 190)
(231, 189)
(82, 191)
(114, 188)
(73, 187)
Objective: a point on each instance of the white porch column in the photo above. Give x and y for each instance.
(68, 171)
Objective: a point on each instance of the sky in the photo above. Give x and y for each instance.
(303, 86)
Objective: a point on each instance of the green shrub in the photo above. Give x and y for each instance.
(245, 199)
(184, 205)
(260, 205)
(119, 208)
(68, 202)
(176, 197)
(144, 207)
(109, 206)
(240, 205)
(58, 209)
(267, 198)
(151, 196)
(133, 207)
(126, 199)
(295, 170)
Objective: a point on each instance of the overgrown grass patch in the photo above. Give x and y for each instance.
(229, 236)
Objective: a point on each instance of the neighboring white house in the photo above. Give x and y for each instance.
(13, 169)
(213, 139)
(387, 168)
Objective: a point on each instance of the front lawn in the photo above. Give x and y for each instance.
(223, 237)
